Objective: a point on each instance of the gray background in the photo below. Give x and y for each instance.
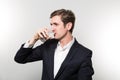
(97, 27)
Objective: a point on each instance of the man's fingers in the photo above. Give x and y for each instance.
(43, 33)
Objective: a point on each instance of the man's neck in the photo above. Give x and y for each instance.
(64, 41)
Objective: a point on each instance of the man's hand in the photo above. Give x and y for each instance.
(40, 34)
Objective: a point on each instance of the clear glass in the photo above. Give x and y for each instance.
(50, 34)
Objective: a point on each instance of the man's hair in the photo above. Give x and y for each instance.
(66, 16)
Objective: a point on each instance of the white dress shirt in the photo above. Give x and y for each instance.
(60, 55)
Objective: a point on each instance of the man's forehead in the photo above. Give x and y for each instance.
(55, 19)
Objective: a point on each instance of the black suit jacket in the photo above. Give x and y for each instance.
(76, 66)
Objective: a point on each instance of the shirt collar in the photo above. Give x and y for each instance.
(67, 46)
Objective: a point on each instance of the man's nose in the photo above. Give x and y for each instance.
(53, 28)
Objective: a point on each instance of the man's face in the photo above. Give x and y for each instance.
(58, 27)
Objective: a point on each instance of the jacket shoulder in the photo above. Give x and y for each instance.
(82, 48)
(51, 41)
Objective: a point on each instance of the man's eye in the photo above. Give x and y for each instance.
(55, 24)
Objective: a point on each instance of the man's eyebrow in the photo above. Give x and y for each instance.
(54, 23)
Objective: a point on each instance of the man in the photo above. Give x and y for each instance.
(63, 57)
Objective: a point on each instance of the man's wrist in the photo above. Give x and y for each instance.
(28, 45)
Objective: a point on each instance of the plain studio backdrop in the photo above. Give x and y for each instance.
(97, 27)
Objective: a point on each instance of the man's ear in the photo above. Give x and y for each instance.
(69, 25)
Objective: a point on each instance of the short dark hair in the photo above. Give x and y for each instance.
(66, 16)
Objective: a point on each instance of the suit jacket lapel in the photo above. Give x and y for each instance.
(67, 59)
(50, 66)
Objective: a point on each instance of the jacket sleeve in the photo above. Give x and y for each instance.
(86, 70)
(25, 55)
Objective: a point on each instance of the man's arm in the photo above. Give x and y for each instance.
(86, 70)
(26, 53)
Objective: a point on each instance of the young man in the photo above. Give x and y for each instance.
(63, 57)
